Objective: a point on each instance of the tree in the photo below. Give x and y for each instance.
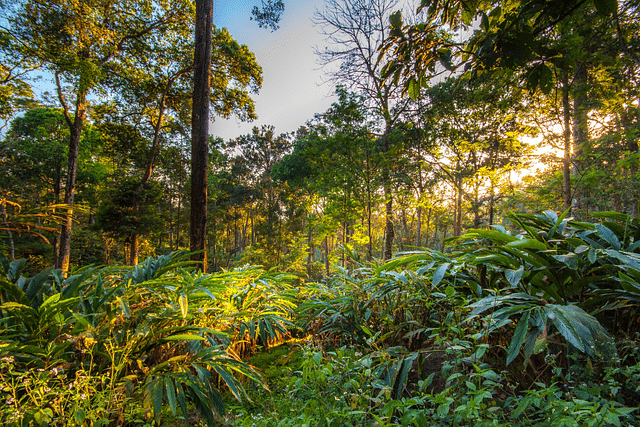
(35, 149)
(478, 128)
(154, 88)
(549, 44)
(78, 43)
(269, 16)
(356, 31)
(344, 160)
(200, 131)
(259, 152)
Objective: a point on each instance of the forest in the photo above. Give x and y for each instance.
(455, 241)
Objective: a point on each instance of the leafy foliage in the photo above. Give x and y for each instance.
(163, 334)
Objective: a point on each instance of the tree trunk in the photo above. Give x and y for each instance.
(134, 250)
(171, 224)
(426, 228)
(326, 254)
(253, 230)
(369, 227)
(492, 201)
(388, 229)
(566, 163)
(134, 238)
(457, 224)
(435, 234)
(178, 221)
(62, 262)
(12, 254)
(214, 247)
(309, 248)
(628, 130)
(580, 134)
(200, 131)
(419, 226)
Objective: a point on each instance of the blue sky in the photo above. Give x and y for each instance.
(292, 90)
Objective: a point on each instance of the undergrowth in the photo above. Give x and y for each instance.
(530, 326)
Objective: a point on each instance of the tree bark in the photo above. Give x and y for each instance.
(580, 134)
(419, 226)
(326, 255)
(566, 163)
(9, 234)
(200, 131)
(133, 246)
(388, 198)
(75, 128)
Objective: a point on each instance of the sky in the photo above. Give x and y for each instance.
(292, 89)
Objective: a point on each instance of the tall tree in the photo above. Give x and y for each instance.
(78, 42)
(200, 131)
(259, 152)
(155, 87)
(269, 16)
(356, 31)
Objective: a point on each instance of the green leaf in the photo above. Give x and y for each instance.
(396, 19)
(51, 301)
(528, 244)
(184, 305)
(36, 283)
(43, 416)
(317, 358)
(413, 89)
(124, 306)
(438, 275)
(609, 236)
(171, 394)
(570, 260)
(606, 7)
(184, 337)
(491, 234)
(518, 337)
(571, 329)
(551, 214)
(181, 398)
(514, 276)
(522, 406)
(80, 416)
(484, 22)
(467, 16)
(157, 394)
(403, 373)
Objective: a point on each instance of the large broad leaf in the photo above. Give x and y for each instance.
(518, 337)
(570, 328)
(495, 301)
(438, 275)
(171, 394)
(537, 332)
(494, 235)
(514, 276)
(569, 259)
(36, 284)
(559, 224)
(184, 305)
(609, 236)
(582, 330)
(402, 374)
(528, 244)
(406, 258)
